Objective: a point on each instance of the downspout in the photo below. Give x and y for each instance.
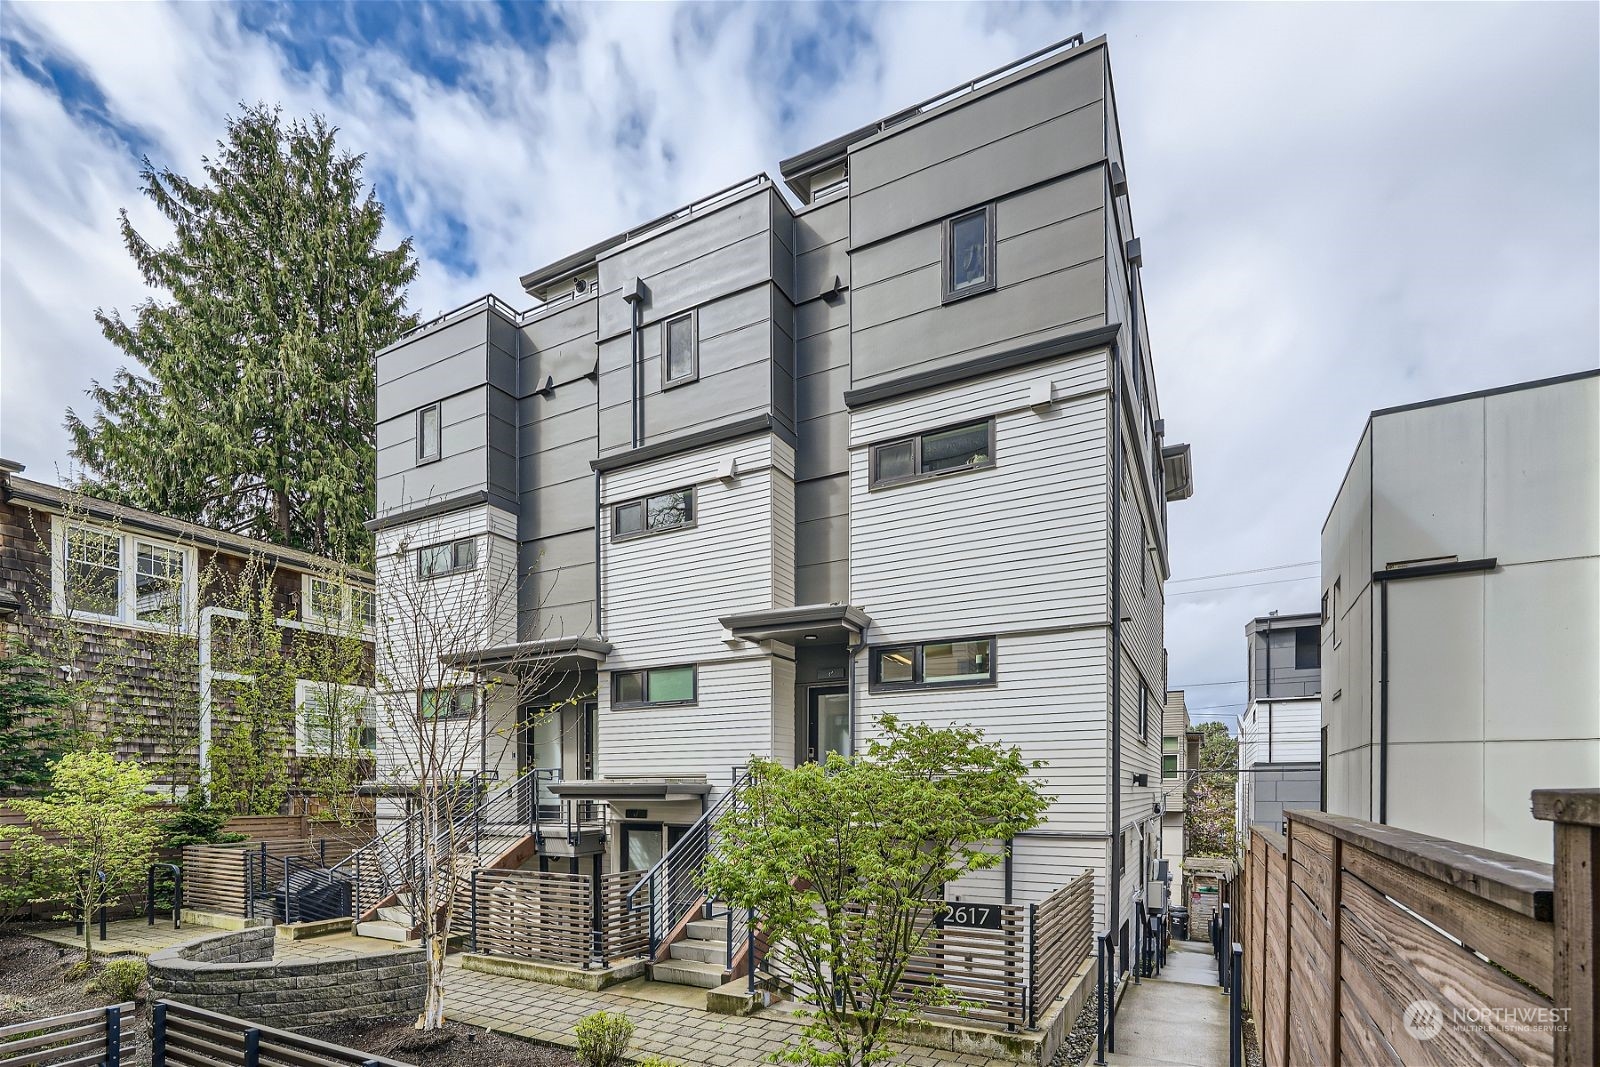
(1383, 704)
(635, 300)
(1114, 897)
(599, 615)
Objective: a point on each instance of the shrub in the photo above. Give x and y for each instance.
(120, 979)
(603, 1039)
(655, 1061)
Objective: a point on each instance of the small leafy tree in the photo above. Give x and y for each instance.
(1208, 812)
(30, 732)
(96, 819)
(844, 863)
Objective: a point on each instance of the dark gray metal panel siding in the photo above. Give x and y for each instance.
(464, 464)
(822, 539)
(1050, 281)
(433, 365)
(1050, 124)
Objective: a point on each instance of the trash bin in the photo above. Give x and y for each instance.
(1179, 918)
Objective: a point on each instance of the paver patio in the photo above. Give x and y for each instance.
(127, 937)
(666, 1023)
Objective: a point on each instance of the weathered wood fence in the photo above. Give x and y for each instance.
(624, 932)
(1367, 944)
(1063, 935)
(96, 1036)
(553, 917)
(219, 878)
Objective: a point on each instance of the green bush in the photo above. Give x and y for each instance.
(655, 1061)
(603, 1039)
(120, 979)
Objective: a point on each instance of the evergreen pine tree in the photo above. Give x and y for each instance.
(30, 733)
(251, 407)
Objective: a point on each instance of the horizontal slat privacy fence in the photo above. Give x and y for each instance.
(95, 1036)
(984, 971)
(624, 932)
(533, 915)
(184, 1036)
(1369, 944)
(218, 878)
(1063, 933)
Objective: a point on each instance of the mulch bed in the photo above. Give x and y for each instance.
(34, 985)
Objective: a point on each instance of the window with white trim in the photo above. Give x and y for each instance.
(121, 577)
(336, 604)
(334, 720)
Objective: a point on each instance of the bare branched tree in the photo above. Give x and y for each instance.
(449, 718)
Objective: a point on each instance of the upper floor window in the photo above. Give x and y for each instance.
(1169, 757)
(927, 455)
(121, 577)
(335, 603)
(333, 720)
(452, 557)
(658, 685)
(653, 514)
(1144, 711)
(934, 663)
(457, 702)
(1307, 648)
(969, 253)
(680, 362)
(428, 423)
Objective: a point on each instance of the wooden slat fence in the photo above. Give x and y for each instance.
(1348, 925)
(984, 970)
(80, 1038)
(534, 915)
(1063, 935)
(624, 932)
(218, 878)
(186, 1036)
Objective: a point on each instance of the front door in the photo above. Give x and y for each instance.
(545, 758)
(827, 722)
(591, 739)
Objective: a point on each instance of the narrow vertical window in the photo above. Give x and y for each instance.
(680, 363)
(969, 253)
(428, 434)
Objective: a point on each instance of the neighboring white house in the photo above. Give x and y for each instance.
(1180, 755)
(1280, 750)
(1461, 613)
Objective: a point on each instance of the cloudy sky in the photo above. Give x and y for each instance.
(1342, 207)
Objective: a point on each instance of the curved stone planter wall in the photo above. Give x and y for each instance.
(234, 973)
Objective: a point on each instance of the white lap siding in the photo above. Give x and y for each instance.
(664, 595)
(422, 619)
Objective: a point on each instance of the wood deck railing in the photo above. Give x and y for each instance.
(1368, 944)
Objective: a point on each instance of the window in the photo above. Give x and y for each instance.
(928, 455)
(1169, 757)
(452, 557)
(1307, 649)
(333, 720)
(969, 254)
(1144, 711)
(337, 604)
(428, 434)
(680, 362)
(121, 577)
(458, 702)
(658, 685)
(653, 514)
(1333, 618)
(969, 661)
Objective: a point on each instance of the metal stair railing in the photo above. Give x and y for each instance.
(671, 889)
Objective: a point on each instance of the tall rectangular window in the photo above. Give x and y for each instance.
(969, 661)
(428, 434)
(93, 572)
(680, 362)
(1169, 757)
(969, 253)
(158, 584)
(969, 446)
(1307, 648)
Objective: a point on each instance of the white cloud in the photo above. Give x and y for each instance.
(1342, 206)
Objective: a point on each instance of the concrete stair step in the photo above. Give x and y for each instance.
(688, 972)
(400, 916)
(386, 931)
(709, 929)
(700, 951)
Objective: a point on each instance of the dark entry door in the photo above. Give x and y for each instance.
(590, 734)
(827, 722)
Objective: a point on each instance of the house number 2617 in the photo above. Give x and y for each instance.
(984, 916)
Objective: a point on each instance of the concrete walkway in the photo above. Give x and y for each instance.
(668, 1021)
(1178, 1019)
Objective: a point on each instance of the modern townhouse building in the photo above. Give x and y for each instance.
(1280, 746)
(777, 464)
(1180, 755)
(124, 603)
(1461, 613)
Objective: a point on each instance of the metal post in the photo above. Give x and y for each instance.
(751, 959)
(150, 896)
(1111, 1010)
(473, 890)
(114, 1036)
(287, 862)
(1033, 952)
(177, 897)
(158, 1036)
(252, 1047)
(322, 852)
(1235, 1010)
(1138, 949)
(1222, 952)
(1100, 1000)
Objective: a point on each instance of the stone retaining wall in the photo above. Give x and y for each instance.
(234, 973)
